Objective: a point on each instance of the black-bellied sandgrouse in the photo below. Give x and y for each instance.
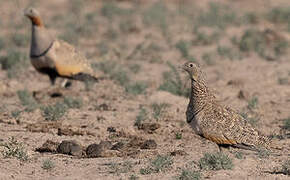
(54, 57)
(216, 122)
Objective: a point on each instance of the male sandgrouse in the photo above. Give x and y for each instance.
(54, 57)
(215, 122)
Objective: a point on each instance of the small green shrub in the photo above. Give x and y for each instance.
(54, 112)
(239, 155)
(118, 168)
(253, 103)
(12, 59)
(74, 103)
(189, 175)
(14, 149)
(215, 161)
(263, 153)
(178, 135)
(159, 164)
(158, 109)
(136, 88)
(256, 41)
(27, 100)
(48, 164)
(286, 124)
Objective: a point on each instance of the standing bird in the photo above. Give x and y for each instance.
(215, 122)
(54, 57)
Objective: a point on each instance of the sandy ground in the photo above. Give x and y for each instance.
(124, 41)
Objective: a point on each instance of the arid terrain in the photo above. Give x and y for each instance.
(132, 123)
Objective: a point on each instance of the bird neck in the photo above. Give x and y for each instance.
(36, 21)
(200, 95)
(41, 41)
(199, 89)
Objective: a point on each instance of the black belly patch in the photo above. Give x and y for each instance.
(48, 71)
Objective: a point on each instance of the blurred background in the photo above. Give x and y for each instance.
(241, 45)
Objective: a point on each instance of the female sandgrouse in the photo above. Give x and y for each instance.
(54, 57)
(215, 122)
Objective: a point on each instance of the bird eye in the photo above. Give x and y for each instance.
(190, 65)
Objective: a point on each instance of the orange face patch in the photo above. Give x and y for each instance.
(36, 21)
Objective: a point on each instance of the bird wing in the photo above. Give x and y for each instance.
(69, 62)
(225, 126)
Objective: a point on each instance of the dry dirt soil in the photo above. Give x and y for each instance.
(133, 120)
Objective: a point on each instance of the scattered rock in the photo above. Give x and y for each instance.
(106, 144)
(178, 152)
(70, 131)
(149, 144)
(135, 142)
(118, 146)
(43, 127)
(70, 148)
(48, 146)
(243, 95)
(94, 151)
(236, 82)
(103, 107)
(111, 129)
(149, 127)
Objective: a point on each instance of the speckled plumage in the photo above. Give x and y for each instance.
(54, 57)
(216, 122)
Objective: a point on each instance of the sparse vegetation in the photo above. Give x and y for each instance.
(157, 15)
(136, 88)
(178, 135)
(172, 82)
(160, 163)
(239, 155)
(286, 124)
(27, 100)
(13, 59)
(203, 39)
(286, 167)
(111, 10)
(218, 16)
(283, 81)
(118, 168)
(228, 52)
(48, 164)
(133, 177)
(139, 46)
(158, 109)
(142, 116)
(13, 148)
(20, 39)
(258, 41)
(253, 103)
(263, 153)
(54, 112)
(71, 102)
(189, 175)
(215, 161)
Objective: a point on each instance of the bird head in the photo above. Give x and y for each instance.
(193, 70)
(34, 16)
